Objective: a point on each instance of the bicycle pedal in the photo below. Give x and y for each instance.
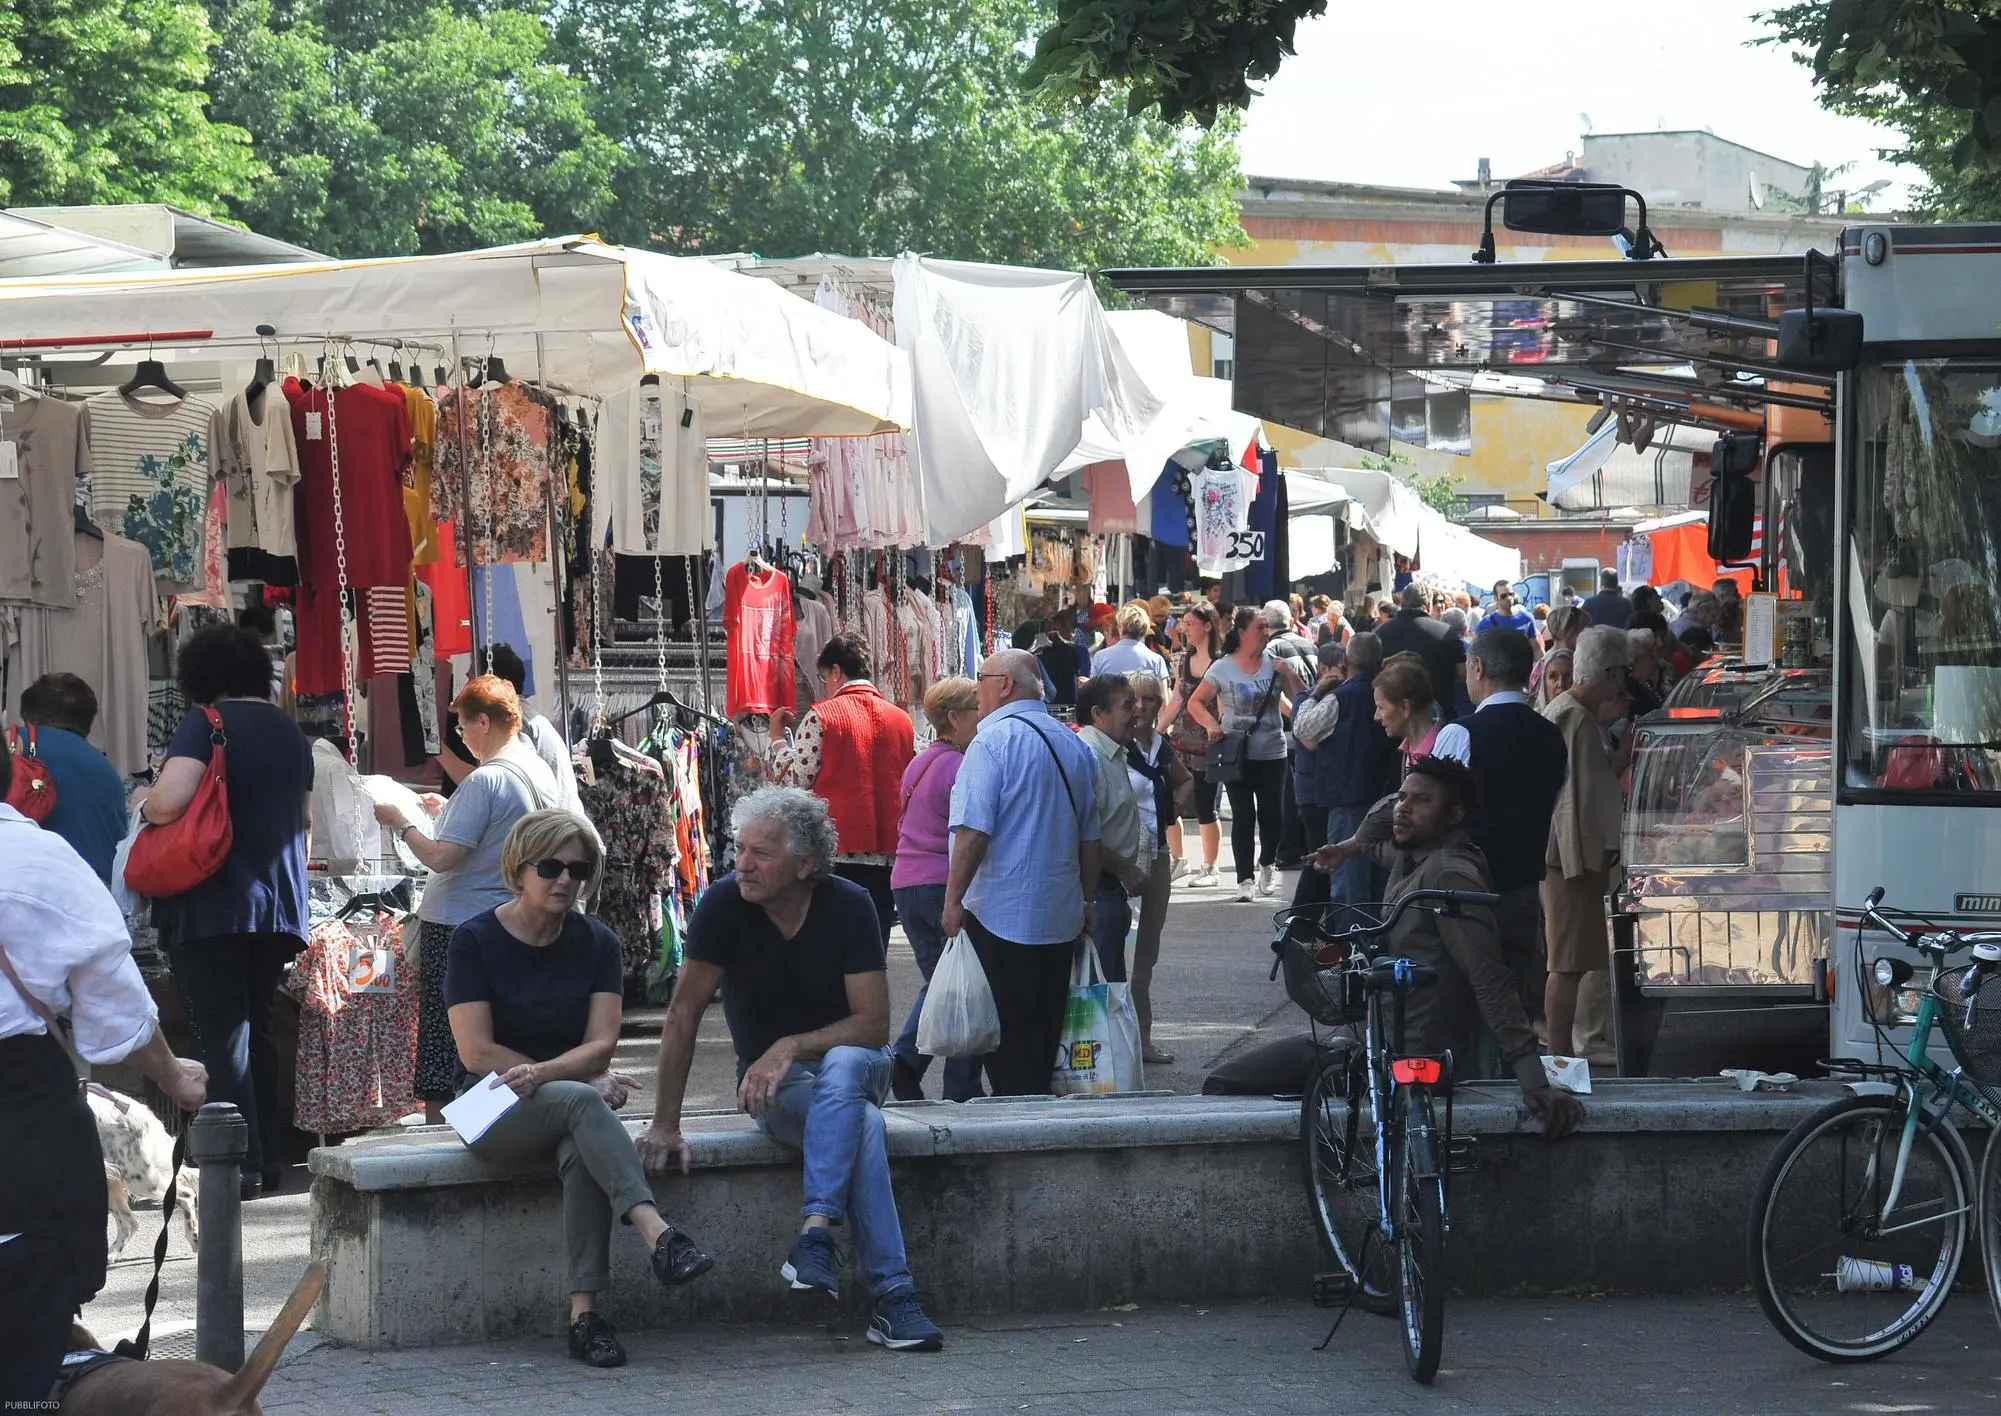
(1330, 1290)
(1462, 1156)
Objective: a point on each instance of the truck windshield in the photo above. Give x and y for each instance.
(1922, 589)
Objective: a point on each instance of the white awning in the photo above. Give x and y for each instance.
(1604, 472)
(575, 312)
(30, 248)
(1387, 509)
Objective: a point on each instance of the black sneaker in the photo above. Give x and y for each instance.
(814, 1263)
(677, 1259)
(593, 1342)
(900, 1325)
(904, 1083)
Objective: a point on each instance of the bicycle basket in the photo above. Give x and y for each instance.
(1315, 961)
(1971, 1020)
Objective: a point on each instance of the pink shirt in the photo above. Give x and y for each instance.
(923, 844)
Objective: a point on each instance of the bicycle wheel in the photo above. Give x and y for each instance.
(1419, 1195)
(1990, 1219)
(1341, 1183)
(1841, 1279)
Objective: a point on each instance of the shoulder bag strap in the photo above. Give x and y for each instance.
(1068, 790)
(40, 1009)
(520, 776)
(916, 784)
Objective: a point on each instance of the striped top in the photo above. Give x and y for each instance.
(150, 472)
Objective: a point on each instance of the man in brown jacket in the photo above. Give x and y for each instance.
(1429, 850)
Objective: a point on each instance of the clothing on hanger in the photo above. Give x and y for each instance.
(497, 460)
(260, 467)
(151, 465)
(652, 473)
(372, 426)
(760, 631)
(38, 497)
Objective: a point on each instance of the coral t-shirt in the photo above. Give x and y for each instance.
(758, 618)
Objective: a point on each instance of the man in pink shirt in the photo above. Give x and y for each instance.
(923, 858)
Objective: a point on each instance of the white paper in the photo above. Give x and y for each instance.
(1571, 1074)
(1761, 628)
(484, 1103)
(315, 426)
(10, 462)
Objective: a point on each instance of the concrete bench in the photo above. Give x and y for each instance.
(1023, 1206)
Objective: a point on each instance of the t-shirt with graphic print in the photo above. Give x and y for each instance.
(151, 466)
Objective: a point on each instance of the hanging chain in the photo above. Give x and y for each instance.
(659, 625)
(349, 689)
(599, 708)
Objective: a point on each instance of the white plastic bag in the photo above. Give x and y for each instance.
(137, 909)
(1099, 1051)
(959, 1017)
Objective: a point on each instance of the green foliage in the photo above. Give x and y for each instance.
(871, 129)
(101, 101)
(1439, 492)
(1931, 69)
(390, 129)
(1188, 58)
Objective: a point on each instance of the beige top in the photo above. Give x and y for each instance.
(1121, 832)
(260, 466)
(1584, 832)
(37, 502)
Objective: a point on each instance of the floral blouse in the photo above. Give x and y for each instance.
(500, 464)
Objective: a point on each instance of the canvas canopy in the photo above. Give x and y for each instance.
(762, 363)
(1389, 511)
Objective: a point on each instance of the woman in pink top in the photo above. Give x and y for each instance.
(1405, 706)
(923, 856)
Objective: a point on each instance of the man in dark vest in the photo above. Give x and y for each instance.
(850, 750)
(1351, 767)
(1519, 763)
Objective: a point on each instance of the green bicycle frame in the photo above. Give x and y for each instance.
(1947, 1084)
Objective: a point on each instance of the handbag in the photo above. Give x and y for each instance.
(1226, 757)
(172, 859)
(34, 791)
(1098, 1053)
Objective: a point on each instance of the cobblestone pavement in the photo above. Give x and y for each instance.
(1551, 1357)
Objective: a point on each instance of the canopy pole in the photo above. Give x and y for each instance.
(465, 508)
(556, 575)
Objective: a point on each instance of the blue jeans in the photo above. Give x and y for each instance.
(830, 1109)
(1351, 884)
(918, 907)
(1115, 919)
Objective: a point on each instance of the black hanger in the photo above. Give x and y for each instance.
(85, 526)
(151, 373)
(261, 377)
(496, 369)
(653, 379)
(396, 371)
(665, 699)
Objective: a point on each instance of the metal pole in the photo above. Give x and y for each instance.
(218, 1140)
(558, 564)
(465, 514)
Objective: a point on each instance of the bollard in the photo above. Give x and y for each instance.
(218, 1139)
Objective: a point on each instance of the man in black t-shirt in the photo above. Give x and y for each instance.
(798, 956)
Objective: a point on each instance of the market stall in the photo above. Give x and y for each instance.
(1385, 510)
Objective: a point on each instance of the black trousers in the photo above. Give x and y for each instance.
(1257, 802)
(1519, 916)
(1292, 826)
(1316, 887)
(875, 880)
(229, 983)
(1031, 987)
(37, 1300)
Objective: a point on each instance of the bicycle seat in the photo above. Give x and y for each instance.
(1401, 974)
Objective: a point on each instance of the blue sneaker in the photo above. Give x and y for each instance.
(900, 1325)
(814, 1263)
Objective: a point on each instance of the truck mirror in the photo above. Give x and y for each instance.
(1821, 340)
(1565, 209)
(1733, 497)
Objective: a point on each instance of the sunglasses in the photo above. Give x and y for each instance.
(580, 870)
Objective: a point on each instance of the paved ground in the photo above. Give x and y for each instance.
(1552, 1357)
(1211, 996)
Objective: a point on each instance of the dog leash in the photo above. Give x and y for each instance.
(136, 1346)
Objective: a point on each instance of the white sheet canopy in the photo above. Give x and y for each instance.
(1388, 510)
(762, 363)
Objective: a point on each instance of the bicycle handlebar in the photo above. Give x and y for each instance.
(1911, 939)
(1450, 899)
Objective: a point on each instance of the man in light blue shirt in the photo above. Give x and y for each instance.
(1025, 865)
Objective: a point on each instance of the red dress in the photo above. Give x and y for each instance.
(758, 620)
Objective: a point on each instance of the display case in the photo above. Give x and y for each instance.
(1727, 901)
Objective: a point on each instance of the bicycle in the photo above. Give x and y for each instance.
(1390, 1254)
(1861, 1221)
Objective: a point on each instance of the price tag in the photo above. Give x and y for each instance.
(371, 968)
(10, 462)
(315, 426)
(649, 428)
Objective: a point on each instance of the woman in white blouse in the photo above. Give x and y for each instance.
(64, 949)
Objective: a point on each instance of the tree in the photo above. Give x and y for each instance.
(1194, 59)
(102, 101)
(389, 130)
(1931, 69)
(1439, 492)
(759, 125)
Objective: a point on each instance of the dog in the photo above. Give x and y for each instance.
(172, 1388)
(138, 1162)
